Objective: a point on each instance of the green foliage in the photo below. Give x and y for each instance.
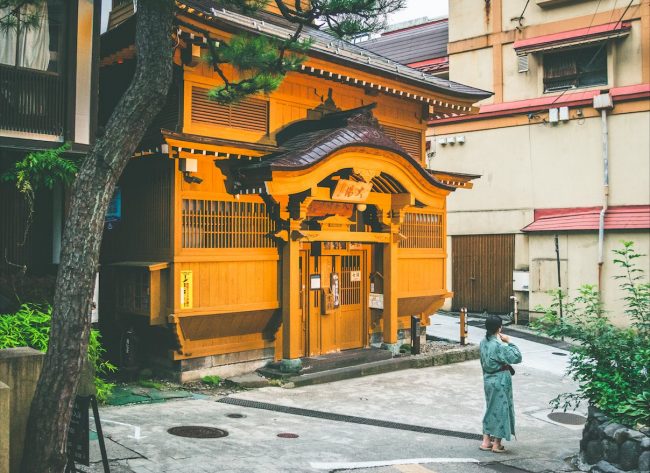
(42, 169)
(30, 327)
(609, 363)
(212, 380)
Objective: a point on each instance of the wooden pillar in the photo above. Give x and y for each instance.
(390, 288)
(291, 313)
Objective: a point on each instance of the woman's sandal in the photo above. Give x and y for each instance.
(499, 449)
(485, 449)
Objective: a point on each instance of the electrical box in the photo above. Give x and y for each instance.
(520, 280)
(451, 140)
(442, 141)
(553, 115)
(460, 139)
(564, 114)
(189, 165)
(603, 101)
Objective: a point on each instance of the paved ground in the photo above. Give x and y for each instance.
(447, 397)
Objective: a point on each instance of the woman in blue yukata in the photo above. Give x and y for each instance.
(497, 356)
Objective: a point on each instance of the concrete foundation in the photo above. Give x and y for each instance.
(20, 369)
(5, 407)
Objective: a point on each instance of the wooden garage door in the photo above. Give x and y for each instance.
(482, 272)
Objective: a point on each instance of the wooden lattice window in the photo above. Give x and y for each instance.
(422, 230)
(249, 114)
(350, 286)
(410, 140)
(223, 224)
(133, 292)
(575, 68)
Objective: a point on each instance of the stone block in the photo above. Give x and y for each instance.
(621, 435)
(612, 428)
(604, 467)
(645, 443)
(594, 452)
(629, 453)
(644, 462)
(20, 369)
(610, 451)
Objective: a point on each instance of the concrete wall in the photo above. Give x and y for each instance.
(578, 262)
(20, 369)
(5, 407)
(473, 68)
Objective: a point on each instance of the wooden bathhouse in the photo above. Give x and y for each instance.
(291, 225)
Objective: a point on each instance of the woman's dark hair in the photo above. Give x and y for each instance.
(492, 324)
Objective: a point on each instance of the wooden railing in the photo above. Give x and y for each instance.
(31, 101)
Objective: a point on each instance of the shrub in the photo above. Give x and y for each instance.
(30, 327)
(609, 363)
(212, 380)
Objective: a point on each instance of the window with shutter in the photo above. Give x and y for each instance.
(250, 114)
(410, 140)
(575, 68)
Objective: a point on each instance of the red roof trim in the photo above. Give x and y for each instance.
(571, 99)
(572, 35)
(429, 62)
(628, 217)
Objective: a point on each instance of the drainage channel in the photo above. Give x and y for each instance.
(350, 419)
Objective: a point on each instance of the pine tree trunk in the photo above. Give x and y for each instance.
(93, 188)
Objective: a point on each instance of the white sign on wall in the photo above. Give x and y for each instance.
(376, 301)
(355, 276)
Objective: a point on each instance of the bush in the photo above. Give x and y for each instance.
(212, 380)
(609, 363)
(30, 327)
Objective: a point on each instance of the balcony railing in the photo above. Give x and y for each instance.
(31, 101)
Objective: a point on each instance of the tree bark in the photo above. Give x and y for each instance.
(93, 188)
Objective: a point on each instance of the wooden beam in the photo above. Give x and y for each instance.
(390, 289)
(291, 312)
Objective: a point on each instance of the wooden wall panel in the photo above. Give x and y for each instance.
(420, 273)
(482, 272)
(232, 286)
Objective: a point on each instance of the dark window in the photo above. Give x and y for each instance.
(35, 41)
(575, 68)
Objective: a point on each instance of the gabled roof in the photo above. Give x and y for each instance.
(414, 44)
(627, 217)
(330, 47)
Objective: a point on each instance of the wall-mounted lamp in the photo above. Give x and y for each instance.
(361, 207)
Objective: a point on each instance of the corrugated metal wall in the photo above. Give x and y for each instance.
(482, 272)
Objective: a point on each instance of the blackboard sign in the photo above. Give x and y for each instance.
(78, 435)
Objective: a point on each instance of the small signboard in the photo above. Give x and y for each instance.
(78, 435)
(314, 281)
(376, 301)
(186, 289)
(351, 191)
(114, 212)
(355, 276)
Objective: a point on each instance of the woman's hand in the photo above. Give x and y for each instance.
(504, 338)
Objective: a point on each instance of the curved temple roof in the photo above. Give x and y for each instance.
(308, 142)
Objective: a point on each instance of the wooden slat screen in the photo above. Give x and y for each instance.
(482, 268)
(422, 230)
(250, 114)
(223, 224)
(350, 290)
(410, 140)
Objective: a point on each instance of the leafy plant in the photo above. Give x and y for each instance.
(609, 363)
(30, 327)
(212, 380)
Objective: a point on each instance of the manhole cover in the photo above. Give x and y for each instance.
(567, 418)
(198, 432)
(235, 416)
(287, 435)
(558, 353)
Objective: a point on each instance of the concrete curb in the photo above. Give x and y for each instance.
(455, 355)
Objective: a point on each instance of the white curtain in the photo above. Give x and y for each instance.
(33, 43)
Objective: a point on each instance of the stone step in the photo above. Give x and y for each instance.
(342, 359)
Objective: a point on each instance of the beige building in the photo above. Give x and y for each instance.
(562, 147)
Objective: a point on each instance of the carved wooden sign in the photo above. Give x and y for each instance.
(351, 191)
(323, 208)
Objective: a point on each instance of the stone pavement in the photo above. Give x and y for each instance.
(449, 398)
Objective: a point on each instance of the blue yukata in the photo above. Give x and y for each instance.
(499, 418)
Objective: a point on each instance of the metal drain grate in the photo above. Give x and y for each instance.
(350, 419)
(198, 432)
(567, 418)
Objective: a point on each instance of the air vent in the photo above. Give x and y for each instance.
(249, 114)
(522, 63)
(410, 140)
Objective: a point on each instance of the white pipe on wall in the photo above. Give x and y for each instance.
(603, 211)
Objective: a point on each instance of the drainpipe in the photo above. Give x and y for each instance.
(603, 102)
